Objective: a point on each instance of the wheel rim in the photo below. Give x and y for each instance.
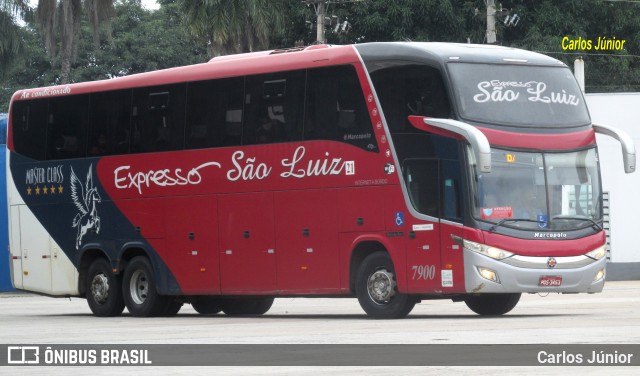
(139, 287)
(100, 288)
(381, 286)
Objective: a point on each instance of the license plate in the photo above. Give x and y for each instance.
(548, 281)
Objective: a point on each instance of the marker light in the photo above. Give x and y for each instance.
(493, 252)
(599, 275)
(598, 253)
(488, 274)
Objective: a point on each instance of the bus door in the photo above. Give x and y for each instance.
(423, 244)
(434, 259)
(451, 213)
(247, 243)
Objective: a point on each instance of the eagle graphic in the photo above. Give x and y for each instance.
(85, 196)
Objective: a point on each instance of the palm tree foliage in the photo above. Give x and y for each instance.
(233, 26)
(60, 24)
(10, 41)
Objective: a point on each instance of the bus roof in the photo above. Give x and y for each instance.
(299, 58)
(439, 53)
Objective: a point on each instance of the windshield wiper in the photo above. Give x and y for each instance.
(493, 228)
(595, 224)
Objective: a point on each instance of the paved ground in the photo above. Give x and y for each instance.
(611, 317)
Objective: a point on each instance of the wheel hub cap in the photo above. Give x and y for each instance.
(100, 288)
(381, 286)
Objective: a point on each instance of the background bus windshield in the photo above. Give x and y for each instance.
(518, 95)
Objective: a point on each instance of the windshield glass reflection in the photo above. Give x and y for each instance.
(540, 191)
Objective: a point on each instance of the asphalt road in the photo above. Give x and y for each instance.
(611, 317)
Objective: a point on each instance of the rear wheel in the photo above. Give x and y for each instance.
(139, 290)
(492, 304)
(172, 308)
(246, 306)
(377, 291)
(103, 290)
(206, 305)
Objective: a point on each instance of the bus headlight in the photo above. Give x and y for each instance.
(598, 253)
(493, 252)
(488, 274)
(599, 275)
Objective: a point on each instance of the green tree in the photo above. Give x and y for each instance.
(10, 41)
(233, 26)
(60, 23)
(142, 41)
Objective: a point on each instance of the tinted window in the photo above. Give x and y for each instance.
(110, 123)
(274, 104)
(30, 128)
(410, 89)
(67, 127)
(336, 108)
(158, 117)
(519, 95)
(214, 113)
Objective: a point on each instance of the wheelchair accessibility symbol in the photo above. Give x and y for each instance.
(399, 218)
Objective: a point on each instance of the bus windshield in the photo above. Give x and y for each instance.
(521, 96)
(540, 191)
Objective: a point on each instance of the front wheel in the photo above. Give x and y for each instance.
(139, 290)
(492, 304)
(103, 291)
(377, 291)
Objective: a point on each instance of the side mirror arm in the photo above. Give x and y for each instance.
(459, 130)
(628, 147)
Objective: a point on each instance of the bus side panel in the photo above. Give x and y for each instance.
(247, 243)
(40, 265)
(36, 259)
(307, 241)
(64, 276)
(361, 209)
(15, 246)
(192, 243)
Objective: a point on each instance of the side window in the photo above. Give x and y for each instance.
(214, 113)
(451, 187)
(273, 107)
(433, 174)
(410, 89)
(158, 116)
(29, 128)
(110, 114)
(421, 179)
(336, 108)
(67, 127)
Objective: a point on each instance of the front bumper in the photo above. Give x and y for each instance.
(576, 277)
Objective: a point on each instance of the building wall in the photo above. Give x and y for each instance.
(620, 110)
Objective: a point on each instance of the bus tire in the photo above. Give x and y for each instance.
(206, 305)
(139, 290)
(492, 304)
(103, 290)
(377, 291)
(172, 308)
(246, 306)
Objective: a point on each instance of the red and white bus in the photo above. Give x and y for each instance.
(392, 172)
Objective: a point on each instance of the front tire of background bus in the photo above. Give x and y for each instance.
(206, 305)
(139, 290)
(492, 304)
(246, 306)
(103, 290)
(377, 291)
